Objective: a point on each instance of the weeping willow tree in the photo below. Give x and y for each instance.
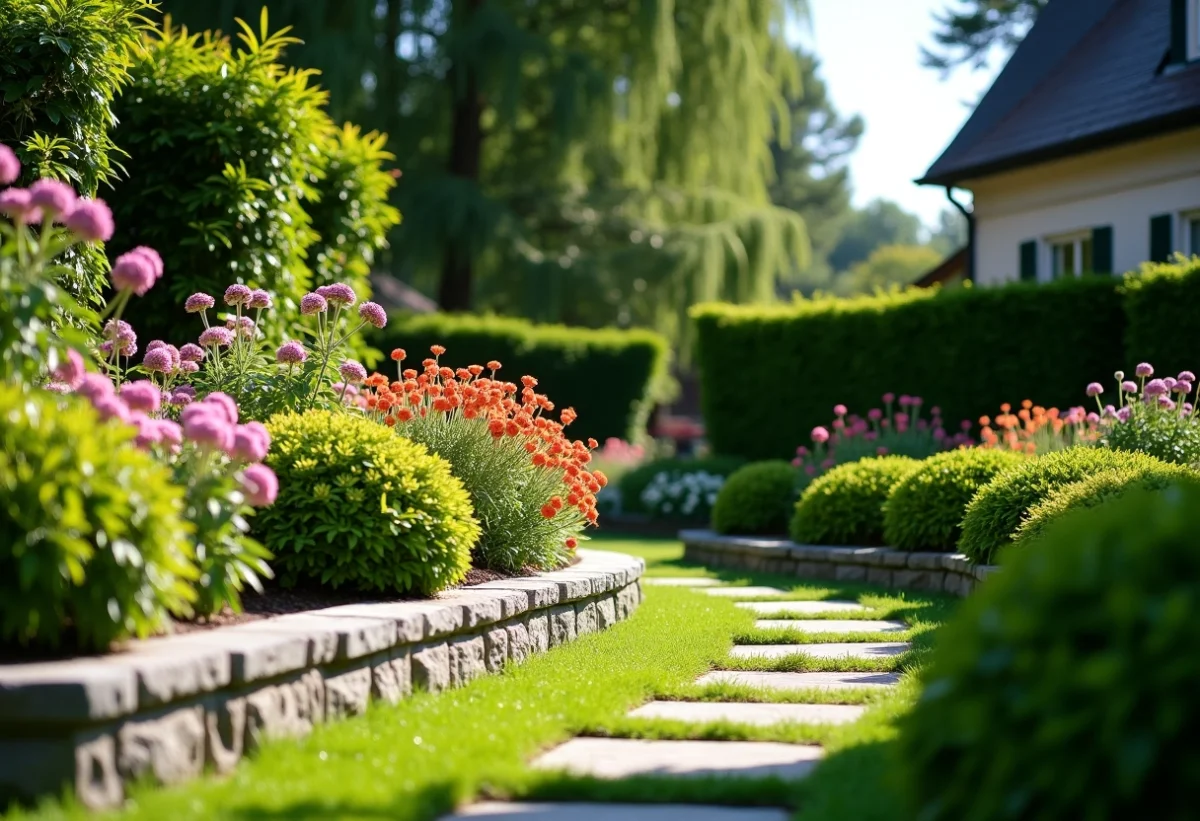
(589, 161)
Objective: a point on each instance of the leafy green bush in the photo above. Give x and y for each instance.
(996, 511)
(845, 506)
(852, 350)
(94, 549)
(611, 377)
(1155, 417)
(652, 487)
(1096, 490)
(756, 499)
(363, 508)
(1065, 686)
(1158, 302)
(925, 509)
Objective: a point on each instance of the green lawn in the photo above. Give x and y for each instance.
(418, 759)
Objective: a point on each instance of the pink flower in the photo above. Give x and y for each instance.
(802, 451)
(71, 370)
(15, 204)
(290, 353)
(820, 435)
(91, 221)
(1129, 387)
(228, 407)
(133, 272)
(10, 166)
(206, 425)
(1143, 370)
(158, 360)
(810, 469)
(965, 425)
(188, 367)
(251, 442)
(1183, 387)
(119, 330)
(1186, 376)
(339, 293)
(151, 256)
(198, 302)
(243, 325)
(56, 199)
(874, 414)
(142, 395)
(826, 464)
(1094, 389)
(1124, 413)
(191, 353)
(182, 395)
(905, 400)
(94, 386)
(355, 373)
(259, 299)
(373, 314)
(148, 431)
(889, 398)
(111, 407)
(313, 304)
(935, 410)
(260, 485)
(839, 410)
(169, 433)
(216, 338)
(1155, 387)
(881, 451)
(237, 295)
(1093, 417)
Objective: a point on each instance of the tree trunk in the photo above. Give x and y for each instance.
(466, 146)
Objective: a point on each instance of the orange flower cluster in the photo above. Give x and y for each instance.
(1034, 429)
(508, 411)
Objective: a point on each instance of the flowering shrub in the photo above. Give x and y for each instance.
(531, 486)
(360, 507)
(845, 506)
(675, 482)
(885, 431)
(756, 499)
(1036, 430)
(1155, 416)
(95, 547)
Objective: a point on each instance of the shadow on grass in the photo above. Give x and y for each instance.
(431, 802)
(854, 783)
(737, 792)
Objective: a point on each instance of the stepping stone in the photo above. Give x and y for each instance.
(682, 581)
(801, 681)
(760, 715)
(832, 625)
(748, 592)
(627, 757)
(860, 650)
(805, 607)
(615, 812)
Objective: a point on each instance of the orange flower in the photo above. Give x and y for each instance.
(592, 443)
(528, 381)
(404, 415)
(437, 350)
(389, 420)
(493, 365)
(601, 479)
(556, 502)
(398, 355)
(530, 446)
(539, 459)
(571, 544)
(1006, 407)
(409, 373)
(548, 511)
(496, 426)
(475, 370)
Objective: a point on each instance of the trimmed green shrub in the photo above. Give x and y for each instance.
(852, 350)
(925, 509)
(1094, 491)
(674, 484)
(611, 377)
(363, 508)
(94, 547)
(845, 506)
(756, 499)
(1065, 686)
(1158, 302)
(993, 516)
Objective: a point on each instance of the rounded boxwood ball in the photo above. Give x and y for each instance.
(925, 510)
(845, 505)
(364, 508)
(1065, 686)
(996, 511)
(756, 500)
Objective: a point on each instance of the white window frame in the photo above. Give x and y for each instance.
(1186, 218)
(1051, 243)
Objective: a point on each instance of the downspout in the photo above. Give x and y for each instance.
(970, 215)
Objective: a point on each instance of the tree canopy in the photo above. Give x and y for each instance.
(970, 31)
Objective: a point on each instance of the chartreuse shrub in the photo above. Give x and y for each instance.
(1066, 686)
(845, 506)
(996, 511)
(756, 499)
(925, 509)
(94, 547)
(676, 488)
(1094, 491)
(611, 377)
(362, 508)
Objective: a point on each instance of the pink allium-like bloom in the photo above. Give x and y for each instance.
(56, 199)
(828, 463)
(796, 462)
(188, 367)
(889, 397)
(142, 395)
(95, 385)
(169, 432)
(1094, 389)
(111, 407)
(905, 400)
(1165, 402)
(881, 451)
(802, 451)
(1093, 417)
(820, 435)
(1170, 383)
(120, 330)
(965, 425)
(1155, 387)
(839, 410)
(1129, 387)
(151, 256)
(313, 304)
(60, 388)
(811, 470)
(241, 324)
(291, 353)
(133, 272)
(902, 418)
(373, 314)
(10, 166)
(251, 442)
(198, 302)
(874, 414)
(938, 434)
(71, 370)
(182, 395)
(838, 423)
(351, 394)
(1124, 413)
(1110, 411)
(15, 204)
(216, 338)
(260, 485)
(237, 294)
(352, 372)
(1183, 387)
(259, 299)
(191, 353)
(207, 427)
(158, 360)
(1143, 370)
(148, 431)
(934, 411)
(91, 221)
(339, 293)
(225, 402)
(1187, 376)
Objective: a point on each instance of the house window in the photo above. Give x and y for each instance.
(1070, 256)
(1191, 233)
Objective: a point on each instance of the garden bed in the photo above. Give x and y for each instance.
(166, 708)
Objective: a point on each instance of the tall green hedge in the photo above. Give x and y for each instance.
(611, 377)
(769, 375)
(1160, 309)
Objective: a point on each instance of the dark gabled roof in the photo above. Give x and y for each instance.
(947, 269)
(1089, 74)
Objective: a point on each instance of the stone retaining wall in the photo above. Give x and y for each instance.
(169, 708)
(938, 572)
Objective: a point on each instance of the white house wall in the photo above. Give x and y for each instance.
(1121, 187)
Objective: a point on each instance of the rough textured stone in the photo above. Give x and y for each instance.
(981, 571)
(538, 626)
(879, 575)
(97, 782)
(571, 588)
(804, 607)
(357, 636)
(167, 671)
(519, 645)
(541, 592)
(348, 693)
(815, 570)
(625, 757)
(409, 616)
(431, 667)
(225, 732)
(925, 561)
(73, 691)
(586, 620)
(615, 812)
(562, 624)
(440, 618)
(832, 625)
(850, 573)
(800, 681)
(466, 660)
(759, 715)
(391, 677)
(895, 558)
(287, 710)
(169, 746)
(606, 612)
(841, 650)
(258, 651)
(478, 608)
(495, 648)
(919, 579)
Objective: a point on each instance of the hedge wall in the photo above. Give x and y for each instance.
(611, 377)
(1160, 307)
(769, 375)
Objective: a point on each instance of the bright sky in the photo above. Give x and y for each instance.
(871, 63)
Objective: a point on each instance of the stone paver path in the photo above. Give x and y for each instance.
(760, 715)
(800, 681)
(743, 592)
(858, 650)
(682, 581)
(804, 607)
(616, 812)
(625, 757)
(832, 625)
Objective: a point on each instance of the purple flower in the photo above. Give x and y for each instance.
(820, 435)
(1109, 411)
(1124, 413)
(111, 407)
(216, 338)
(15, 204)
(241, 324)
(260, 485)
(1143, 370)
(10, 166)
(148, 432)
(142, 395)
(1187, 376)
(56, 199)
(198, 302)
(1165, 402)
(874, 414)
(339, 293)
(133, 272)
(881, 451)
(169, 433)
(191, 353)
(251, 442)
(839, 410)
(889, 398)
(151, 256)
(206, 426)
(237, 295)
(313, 304)
(1170, 383)
(802, 451)
(352, 371)
(182, 395)
(71, 370)
(1093, 417)
(938, 434)
(91, 221)
(1129, 387)
(1155, 387)
(158, 360)
(965, 425)
(905, 400)
(229, 408)
(259, 299)
(373, 313)
(120, 330)
(1094, 389)
(934, 411)
(291, 353)
(1183, 387)
(95, 385)
(188, 367)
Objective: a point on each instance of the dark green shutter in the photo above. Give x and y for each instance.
(1161, 241)
(1179, 27)
(1029, 260)
(1102, 250)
